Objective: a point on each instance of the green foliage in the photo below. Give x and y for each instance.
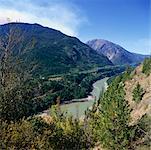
(142, 138)
(109, 81)
(111, 123)
(18, 135)
(127, 74)
(73, 132)
(19, 93)
(53, 52)
(61, 133)
(124, 76)
(110, 119)
(147, 66)
(23, 101)
(138, 93)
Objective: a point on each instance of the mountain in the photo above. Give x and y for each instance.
(49, 51)
(115, 53)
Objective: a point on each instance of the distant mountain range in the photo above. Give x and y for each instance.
(115, 53)
(52, 52)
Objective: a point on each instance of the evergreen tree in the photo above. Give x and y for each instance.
(112, 121)
(137, 93)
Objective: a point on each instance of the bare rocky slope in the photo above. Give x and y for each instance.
(115, 53)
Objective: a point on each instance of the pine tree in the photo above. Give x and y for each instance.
(113, 118)
(137, 93)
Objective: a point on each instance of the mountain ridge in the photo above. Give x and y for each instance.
(115, 53)
(53, 52)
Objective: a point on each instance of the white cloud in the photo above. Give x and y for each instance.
(64, 17)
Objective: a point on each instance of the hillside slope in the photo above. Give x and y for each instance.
(124, 111)
(115, 53)
(49, 51)
(139, 109)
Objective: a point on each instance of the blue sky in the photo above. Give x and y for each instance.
(125, 22)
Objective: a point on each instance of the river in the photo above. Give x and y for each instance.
(77, 109)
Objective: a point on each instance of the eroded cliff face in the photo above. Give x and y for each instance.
(139, 109)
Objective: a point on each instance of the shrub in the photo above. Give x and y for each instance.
(137, 93)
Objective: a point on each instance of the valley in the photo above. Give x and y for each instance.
(58, 93)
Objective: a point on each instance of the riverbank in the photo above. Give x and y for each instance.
(77, 107)
(89, 98)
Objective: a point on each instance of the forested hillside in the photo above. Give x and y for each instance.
(107, 126)
(44, 51)
(122, 116)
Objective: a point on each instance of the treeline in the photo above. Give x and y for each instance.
(110, 120)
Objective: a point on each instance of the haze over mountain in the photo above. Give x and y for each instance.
(52, 52)
(115, 53)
